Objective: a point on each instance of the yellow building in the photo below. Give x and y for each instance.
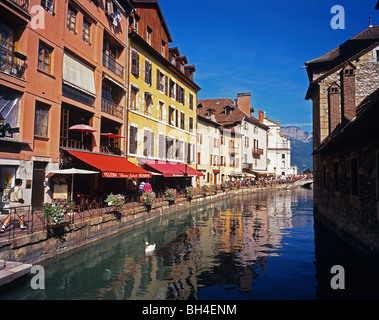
(161, 117)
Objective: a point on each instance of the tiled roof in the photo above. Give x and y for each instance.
(351, 47)
(219, 106)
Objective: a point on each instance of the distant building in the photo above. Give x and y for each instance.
(344, 89)
(249, 158)
(278, 149)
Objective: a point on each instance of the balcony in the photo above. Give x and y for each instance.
(12, 63)
(111, 64)
(258, 151)
(74, 144)
(112, 109)
(233, 150)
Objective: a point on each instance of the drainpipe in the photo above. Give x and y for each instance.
(127, 80)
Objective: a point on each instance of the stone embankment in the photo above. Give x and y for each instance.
(42, 245)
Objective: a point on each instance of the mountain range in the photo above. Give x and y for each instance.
(302, 147)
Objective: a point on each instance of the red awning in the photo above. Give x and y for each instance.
(111, 166)
(170, 169)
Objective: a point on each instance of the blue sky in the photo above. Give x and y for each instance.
(260, 46)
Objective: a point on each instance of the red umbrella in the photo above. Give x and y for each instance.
(111, 135)
(82, 128)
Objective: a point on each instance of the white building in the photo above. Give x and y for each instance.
(278, 150)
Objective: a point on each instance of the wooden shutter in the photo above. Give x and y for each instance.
(135, 63)
(152, 144)
(166, 85)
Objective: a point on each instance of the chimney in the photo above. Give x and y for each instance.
(261, 116)
(348, 93)
(243, 102)
(334, 101)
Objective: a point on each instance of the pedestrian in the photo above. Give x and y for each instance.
(16, 200)
(140, 187)
(147, 187)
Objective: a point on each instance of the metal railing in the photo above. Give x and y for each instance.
(111, 64)
(23, 4)
(91, 207)
(112, 109)
(12, 63)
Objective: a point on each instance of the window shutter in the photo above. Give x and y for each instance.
(166, 85)
(152, 144)
(135, 63)
(158, 78)
(177, 92)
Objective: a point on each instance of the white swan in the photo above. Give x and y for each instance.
(149, 248)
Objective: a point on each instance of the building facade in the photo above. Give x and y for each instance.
(278, 149)
(63, 63)
(161, 116)
(344, 89)
(250, 157)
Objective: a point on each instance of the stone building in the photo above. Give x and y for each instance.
(344, 89)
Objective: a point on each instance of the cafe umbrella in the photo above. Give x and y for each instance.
(82, 128)
(72, 172)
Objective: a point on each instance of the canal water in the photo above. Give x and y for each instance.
(247, 247)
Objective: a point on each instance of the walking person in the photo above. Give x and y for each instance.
(140, 187)
(16, 200)
(147, 187)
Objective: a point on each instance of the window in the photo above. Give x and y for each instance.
(182, 120)
(41, 119)
(171, 116)
(172, 89)
(71, 20)
(162, 82)
(7, 37)
(160, 111)
(246, 142)
(149, 35)
(44, 58)
(191, 101)
(86, 31)
(135, 63)
(354, 177)
(190, 124)
(133, 139)
(148, 72)
(148, 143)
(163, 48)
(283, 156)
(134, 99)
(48, 5)
(377, 55)
(148, 104)
(180, 93)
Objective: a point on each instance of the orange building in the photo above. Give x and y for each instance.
(62, 63)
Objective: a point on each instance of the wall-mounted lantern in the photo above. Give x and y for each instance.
(6, 128)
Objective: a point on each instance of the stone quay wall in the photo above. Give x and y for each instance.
(41, 245)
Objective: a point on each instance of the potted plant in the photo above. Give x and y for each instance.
(116, 201)
(224, 186)
(190, 192)
(148, 199)
(205, 189)
(54, 213)
(171, 195)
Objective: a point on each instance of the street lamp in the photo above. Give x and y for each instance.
(4, 128)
